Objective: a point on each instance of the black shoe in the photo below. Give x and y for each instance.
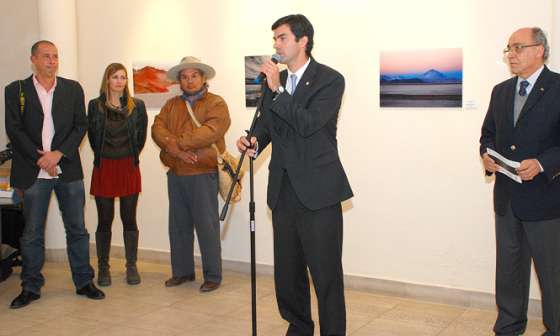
(304, 330)
(91, 292)
(176, 281)
(209, 286)
(24, 299)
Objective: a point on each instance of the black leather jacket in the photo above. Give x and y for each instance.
(137, 126)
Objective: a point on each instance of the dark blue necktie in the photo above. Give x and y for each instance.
(523, 88)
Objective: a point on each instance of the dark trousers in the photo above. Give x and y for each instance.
(106, 212)
(193, 206)
(308, 239)
(71, 200)
(517, 242)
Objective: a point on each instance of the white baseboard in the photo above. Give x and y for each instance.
(437, 294)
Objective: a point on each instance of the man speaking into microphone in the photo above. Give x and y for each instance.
(306, 180)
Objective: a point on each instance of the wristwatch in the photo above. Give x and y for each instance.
(280, 89)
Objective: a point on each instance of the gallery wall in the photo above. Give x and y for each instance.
(422, 212)
(19, 28)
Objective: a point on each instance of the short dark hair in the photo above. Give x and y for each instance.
(36, 45)
(300, 27)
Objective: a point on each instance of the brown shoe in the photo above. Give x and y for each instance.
(176, 281)
(209, 286)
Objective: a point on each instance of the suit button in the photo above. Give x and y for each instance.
(512, 147)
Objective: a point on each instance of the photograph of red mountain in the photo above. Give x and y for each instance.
(151, 83)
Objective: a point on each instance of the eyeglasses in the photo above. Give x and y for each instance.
(518, 48)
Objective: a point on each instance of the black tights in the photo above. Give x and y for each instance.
(106, 212)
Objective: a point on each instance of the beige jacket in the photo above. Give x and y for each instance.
(174, 121)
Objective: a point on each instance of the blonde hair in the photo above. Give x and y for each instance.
(104, 90)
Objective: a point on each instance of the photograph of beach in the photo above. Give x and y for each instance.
(421, 78)
(253, 90)
(252, 70)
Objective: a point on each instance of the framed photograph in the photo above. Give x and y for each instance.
(253, 89)
(421, 78)
(151, 83)
(252, 70)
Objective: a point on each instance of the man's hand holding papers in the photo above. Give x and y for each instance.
(495, 162)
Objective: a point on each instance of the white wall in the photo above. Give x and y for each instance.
(422, 211)
(19, 29)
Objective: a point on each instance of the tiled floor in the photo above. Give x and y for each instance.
(152, 309)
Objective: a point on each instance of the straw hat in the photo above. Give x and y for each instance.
(190, 62)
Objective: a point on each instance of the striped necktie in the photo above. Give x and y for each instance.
(293, 78)
(523, 88)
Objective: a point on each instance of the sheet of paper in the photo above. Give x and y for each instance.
(506, 167)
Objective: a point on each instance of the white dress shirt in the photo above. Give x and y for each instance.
(46, 100)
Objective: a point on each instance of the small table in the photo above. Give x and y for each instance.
(5, 202)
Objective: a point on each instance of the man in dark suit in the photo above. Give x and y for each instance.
(306, 180)
(46, 121)
(523, 124)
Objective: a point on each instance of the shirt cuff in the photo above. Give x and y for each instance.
(256, 150)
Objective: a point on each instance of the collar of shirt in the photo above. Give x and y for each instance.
(298, 73)
(531, 79)
(39, 86)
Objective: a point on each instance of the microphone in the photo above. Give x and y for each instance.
(275, 58)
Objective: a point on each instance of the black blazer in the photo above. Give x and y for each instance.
(137, 124)
(24, 130)
(536, 135)
(302, 129)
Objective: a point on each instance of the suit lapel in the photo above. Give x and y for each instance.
(306, 80)
(31, 97)
(540, 88)
(57, 98)
(509, 101)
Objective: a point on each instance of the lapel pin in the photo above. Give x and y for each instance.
(306, 83)
(542, 89)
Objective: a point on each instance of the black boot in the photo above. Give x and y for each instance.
(103, 245)
(131, 252)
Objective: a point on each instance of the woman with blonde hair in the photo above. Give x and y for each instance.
(117, 134)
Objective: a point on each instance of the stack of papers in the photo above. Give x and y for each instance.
(6, 193)
(506, 167)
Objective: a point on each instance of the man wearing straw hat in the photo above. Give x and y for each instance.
(192, 179)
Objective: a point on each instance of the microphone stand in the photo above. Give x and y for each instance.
(251, 208)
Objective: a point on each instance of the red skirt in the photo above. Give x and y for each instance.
(116, 178)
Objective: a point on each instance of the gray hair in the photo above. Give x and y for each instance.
(540, 37)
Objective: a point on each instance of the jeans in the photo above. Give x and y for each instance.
(71, 199)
